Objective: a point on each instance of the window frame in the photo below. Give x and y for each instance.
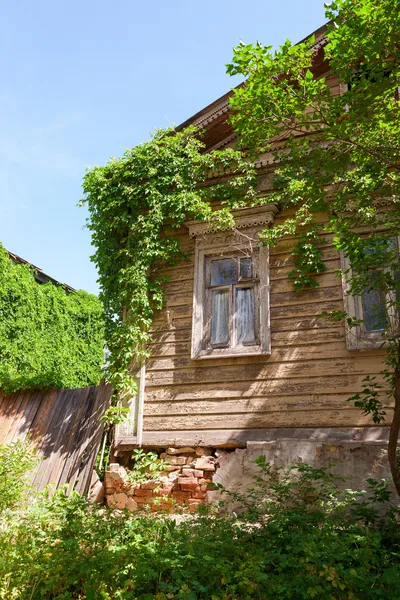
(356, 337)
(247, 283)
(242, 241)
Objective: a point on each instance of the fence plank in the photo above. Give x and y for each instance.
(73, 448)
(65, 424)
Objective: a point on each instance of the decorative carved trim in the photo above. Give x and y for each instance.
(211, 116)
(245, 218)
(224, 142)
(380, 204)
(319, 44)
(383, 204)
(226, 241)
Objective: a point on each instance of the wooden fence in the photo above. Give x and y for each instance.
(65, 425)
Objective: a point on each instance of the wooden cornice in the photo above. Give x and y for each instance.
(256, 216)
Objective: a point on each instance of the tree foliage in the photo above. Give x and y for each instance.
(338, 155)
(47, 337)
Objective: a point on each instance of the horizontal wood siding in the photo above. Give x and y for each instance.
(65, 426)
(305, 382)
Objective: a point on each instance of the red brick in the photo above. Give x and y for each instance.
(198, 473)
(143, 500)
(140, 492)
(149, 485)
(181, 495)
(173, 460)
(203, 451)
(186, 472)
(186, 480)
(184, 450)
(207, 477)
(114, 467)
(161, 506)
(162, 492)
(193, 505)
(205, 463)
(199, 494)
(191, 487)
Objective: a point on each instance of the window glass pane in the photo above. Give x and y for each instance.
(223, 271)
(388, 245)
(245, 315)
(220, 317)
(374, 313)
(245, 268)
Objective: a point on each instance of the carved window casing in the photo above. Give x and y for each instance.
(231, 291)
(372, 308)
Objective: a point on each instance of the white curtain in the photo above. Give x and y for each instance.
(245, 315)
(220, 317)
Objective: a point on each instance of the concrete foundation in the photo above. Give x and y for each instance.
(354, 460)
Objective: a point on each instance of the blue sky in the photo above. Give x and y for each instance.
(84, 80)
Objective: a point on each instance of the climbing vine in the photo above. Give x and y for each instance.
(136, 205)
(47, 337)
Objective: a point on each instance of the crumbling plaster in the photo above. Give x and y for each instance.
(354, 460)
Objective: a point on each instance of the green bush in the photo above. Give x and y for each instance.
(315, 542)
(47, 337)
(16, 460)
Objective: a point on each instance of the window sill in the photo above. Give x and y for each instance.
(218, 353)
(365, 341)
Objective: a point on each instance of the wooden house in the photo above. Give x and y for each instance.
(237, 355)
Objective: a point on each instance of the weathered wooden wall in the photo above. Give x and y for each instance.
(66, 426)
(305, 382)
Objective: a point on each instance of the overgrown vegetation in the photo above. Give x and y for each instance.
(145, 466)
(16, 460)
(298, 537)
(47, 337)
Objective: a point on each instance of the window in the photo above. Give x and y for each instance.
(232, 302)
(231, 298)
(373, 308)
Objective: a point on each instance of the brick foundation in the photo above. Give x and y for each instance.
(181, 487)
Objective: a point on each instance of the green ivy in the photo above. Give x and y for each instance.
(136, 204)
(48, 338)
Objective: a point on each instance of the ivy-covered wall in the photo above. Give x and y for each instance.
(47, 337)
